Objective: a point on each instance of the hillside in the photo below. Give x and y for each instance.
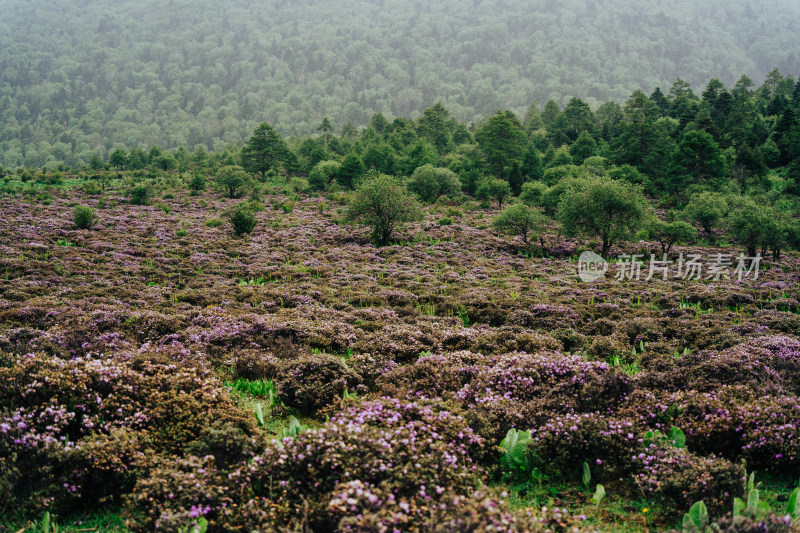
(79, 77)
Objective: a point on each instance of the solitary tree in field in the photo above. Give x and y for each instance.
(264, 150)
(604, 208)
(382, 202)
(231, 178)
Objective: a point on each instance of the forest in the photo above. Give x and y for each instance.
(79, 78)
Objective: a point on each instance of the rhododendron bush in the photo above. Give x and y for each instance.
(407, 364)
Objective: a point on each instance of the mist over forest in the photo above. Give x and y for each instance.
(85, 77)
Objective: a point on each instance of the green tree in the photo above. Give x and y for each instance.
(264, 150)
(84, 217)
(642, 141)
(706, 209)
(325, 128)
(669, 233)
(96, 163)
(197, 183)
(532, 192)
(231, 179)
(379, 123)
(422, 153)
(351, 169)
(165, 161)
(137, 159)
(750, 224)
(242, 219)
(494, 189)
(139, 195)
(382, 202)
(433, 126)
(583, 147)
(430, 183)
(521, 220)
(550, 113)
(533, 118)
(531, 167)
(576, 118)
(604, 208)
(118, 159)
(698, 159)
(502, 140)
(153, 154)
(323, 174)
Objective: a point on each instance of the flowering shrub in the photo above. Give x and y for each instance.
(676, 478)
(111, 342)
(609, 445)
(526, 390)
(82, 428)
(315, 381)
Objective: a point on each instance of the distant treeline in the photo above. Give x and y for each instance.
(81, 78)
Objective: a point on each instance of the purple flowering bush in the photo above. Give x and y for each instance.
(315, 381)
(86, 428)
(676, 478)
(115, 344)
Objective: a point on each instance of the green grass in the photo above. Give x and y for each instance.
(259, 388)
(109, 521)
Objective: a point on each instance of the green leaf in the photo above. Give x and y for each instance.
(259, 415)
(752, 500)
(510, 441)
(738, 506)
(520, 453)
(697, 515)
(599, 494)
(677, 437)
(294, 427)
(763, 509)
(751, 481)
(515, 448)
(792, 509)
(587, 474)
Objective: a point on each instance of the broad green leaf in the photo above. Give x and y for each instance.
(763, 509)
(599, 494)
(520, 453)
(677, 437)
(259, 415)
(792, 508)
(698, 514)
(738, 506)
(752, 500)
(587, 474)
(510, 441)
